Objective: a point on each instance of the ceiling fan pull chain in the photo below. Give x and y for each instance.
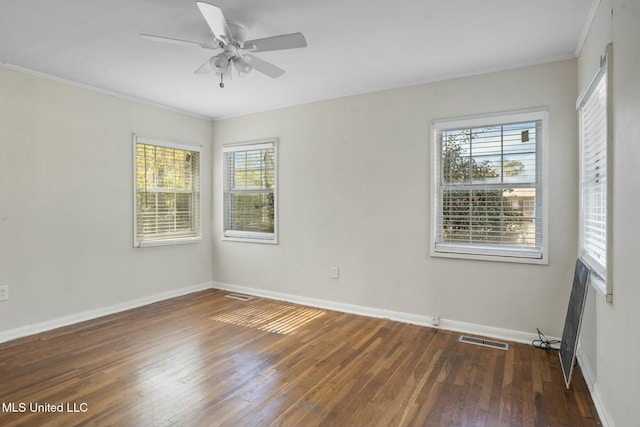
(221, 80)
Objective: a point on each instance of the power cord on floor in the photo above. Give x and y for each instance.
(545, 343)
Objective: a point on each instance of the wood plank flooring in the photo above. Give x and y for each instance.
(206, 360)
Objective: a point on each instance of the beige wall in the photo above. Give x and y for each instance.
(609, 348)
(66, 224)
(617, 323)
(355, 181)
(599, 35)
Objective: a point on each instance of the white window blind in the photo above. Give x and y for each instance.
(167, 192)
(250, 192)
(594, 136)
(488, 198)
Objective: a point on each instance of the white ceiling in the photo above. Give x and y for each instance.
(354, 46)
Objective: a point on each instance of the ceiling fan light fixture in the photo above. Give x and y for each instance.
(242, 66)
(219, 62)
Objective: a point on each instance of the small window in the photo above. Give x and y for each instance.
(250, 190)
(488, 194)
(167, 193)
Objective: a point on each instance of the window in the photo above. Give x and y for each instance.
(488, 197)
(167, 193)
(250, 202)
(594, 143)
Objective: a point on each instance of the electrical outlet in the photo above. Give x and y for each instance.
(335, 272)
(435, 320)
(4, 292)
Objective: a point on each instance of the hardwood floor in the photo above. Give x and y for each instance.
(206, 360)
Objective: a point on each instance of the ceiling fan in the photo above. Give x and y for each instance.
(230, 37)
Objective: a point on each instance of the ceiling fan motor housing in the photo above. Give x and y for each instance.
(238, 33)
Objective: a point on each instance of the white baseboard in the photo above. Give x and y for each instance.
(48, 325)
(601, 407)
(490, 331)
(415, 319)
(586, 368)
(594, 389)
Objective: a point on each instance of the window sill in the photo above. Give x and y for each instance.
(247, 240)
(486, 257)
(485, 253)
(166, 242)
(600, 286)
(250, 237)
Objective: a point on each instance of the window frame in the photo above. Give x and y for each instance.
(251, 236)
(487, 253)
(158, 241)
(600, 277)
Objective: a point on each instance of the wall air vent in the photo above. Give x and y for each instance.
(238, 297)
(483, 342)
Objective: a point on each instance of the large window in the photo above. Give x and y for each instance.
(594, 143)
(488, 193)
(250, 202)
(167, 192)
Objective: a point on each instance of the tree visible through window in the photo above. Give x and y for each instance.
(488, 189)
(167, 181)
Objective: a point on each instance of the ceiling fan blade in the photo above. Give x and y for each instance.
(177, 41)
(285, 41)
(204, 68)
(215, 19)
(264, 67)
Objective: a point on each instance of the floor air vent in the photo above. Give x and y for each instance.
(239, 297)
(486, 343)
